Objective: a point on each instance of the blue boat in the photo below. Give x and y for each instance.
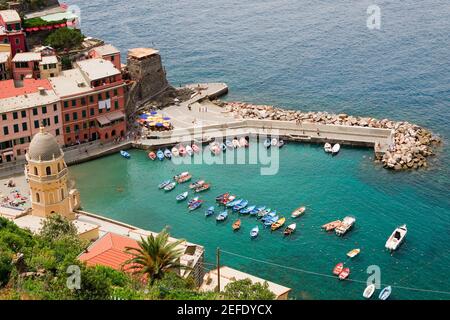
(163, 184)
(223, 216)
(229, 144)
(257, 210)
(269, 216)
(233, 203)
(168, 154)
(125, 154)
(209, 212)
(263, 213)
(240, 205)
(247, 210)
(182, 196)
(193, 200)
(160, 155)
(195, 205)
(271, 221)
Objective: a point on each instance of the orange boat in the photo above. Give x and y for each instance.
(338, 268)
(237, 225)
(344, 274)
(332, 225)
(152, 155)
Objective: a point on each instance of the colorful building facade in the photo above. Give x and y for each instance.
(11, 31)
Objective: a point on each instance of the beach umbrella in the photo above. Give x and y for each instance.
(159, 124)
(153, 113)
(143, 116)
(166, 118)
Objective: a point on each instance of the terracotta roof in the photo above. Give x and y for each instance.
(9, 89)
(109, 251)
(140, 53)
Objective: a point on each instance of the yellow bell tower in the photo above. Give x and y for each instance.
(47, 176)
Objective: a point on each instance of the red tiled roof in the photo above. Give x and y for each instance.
(8, 89)
(109, 251)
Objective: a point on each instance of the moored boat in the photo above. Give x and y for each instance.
(170, 186)
(189, 151)
(353, 253)
(209, 212)
(346, 225)
(330, 226)
(274, 142)
(281, 144)
(263, 213)
(152, 155)
(396, 238)
(160, 155)
(327, 147)
(237, 225)
(336, 148)
(168, 154)
(125, 154)
(222, 216)
(180, 175)
(182, 196)
(278, 224)
(229, 144)
(223, 146)
(254, 232)
(222, 196)
(233, 203)
(247, 210)
(241, 205)
(175, 152)
(290, 229)
(182, 150)
(191, 201)
(184, 179)
(195, 148)
(243, 142)
(298, 212)
(369, 291)
(197, 204)
(270, 221)
(255, 211)
(267, 143)
(236, 143)
(228, 199)
(196, 184)
(385, 293)
(163, 184)
(344, 274)
(338, 268)
(202, 188)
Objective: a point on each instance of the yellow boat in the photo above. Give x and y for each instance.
(278, 224)
(353, 253)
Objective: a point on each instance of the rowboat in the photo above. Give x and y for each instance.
(247, 210)
(335, 149)
(209, 212)
(168, 154)
(254, 232)
(170, 186)
(182, 150)
(327, 147)
(344, 274)
(163, 184)
(160, 155)
(241, 205)
(256, 210)
(270, 221)
(228, 199)
(175, 152)
(385, 293)
(332, 225)
(298, 212)
(278, 224)
(182, 196)
(263, 213)
(222, 196)
(180, 175)
(338, 268)
(369, 291)
(202, 188)
(267, 143)
(353, 253)
(196, 184)
(195, 148)
(233, 203)
(269, 216)
(396, 238)
(236, 143)
(281, 144)
(193, 200)
(152, 155)
(229, 144)
(125, 154)
(195, 205)
(214, 148)
(274, 142)
(237, 225)
(243, 142)
(223, 216)
(189, 151)
(345, 226)
(290, 229)
(184, 179)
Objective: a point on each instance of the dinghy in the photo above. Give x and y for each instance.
(168, 154)
(396, 238)
(195, 205)
(202, 188)
(298, 212)
(385, 293)
(255, 211)
(254, 232)
(237, 225)
(281, 144)
(353, 253)
(163, 184)
(182, 196)
(160, 155)
(195, 148)
(152, 155)
(278, 224)
(193, 200)
(263, 213)
(236, 143)
(243, 142)
(274, 142)
(330, 226)
(335, 149)
(223, 216)
(175, 152)
(182, 150)
(241, 205)
(344, 274)
(327, 148)
(345, 226)
(196, 184)
(229, 144)
(189, 151)
(247, 210)
(125, 154)
(338, 268)
(369, 291)
(267, 143)
(209, 212)
(233, 203)
(170, 186)
(269, 222)
(290, 229)
(222, 196)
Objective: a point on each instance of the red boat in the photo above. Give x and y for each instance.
(338, 268)
(152, 155)
(344, 274)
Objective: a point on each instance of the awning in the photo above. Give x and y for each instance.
(116, 115)
(103, 120)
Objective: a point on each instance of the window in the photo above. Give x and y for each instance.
(67, 117)
(83, 101)
(15, 115)
(38, 198)
(59, 167)
(36, 171)
(66, 104)
(91, 99)
(92, 111)
(57, 132)
(100, 97)
(107, 94)
(83, 114)
(44, 109)
(5, 131)
(24, 126)
(92, 124)
(115, 93)
(36, 124)
(17, 41)
(45, 67)
(76, 128)
(55, 107)
(48, 171)
(74, 103)
(35, 111)
(85, 125)
(56, 119)
(75, 116)
(100, 110)
(67, 129)
(4, 117)
(23, 114)
(16, 128)
(116, 105)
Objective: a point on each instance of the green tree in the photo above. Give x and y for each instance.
(95, 285)
(246, 290)
(155, 256)
(65, 38)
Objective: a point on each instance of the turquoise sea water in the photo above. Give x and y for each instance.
(309, 55)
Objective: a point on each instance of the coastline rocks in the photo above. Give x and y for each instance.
(412, 143)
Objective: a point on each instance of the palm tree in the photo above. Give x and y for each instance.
(155, 256)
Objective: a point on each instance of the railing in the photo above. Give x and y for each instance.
(49, 177)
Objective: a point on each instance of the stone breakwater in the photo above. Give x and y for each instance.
(412, 143)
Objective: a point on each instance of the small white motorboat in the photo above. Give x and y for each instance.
(254, 233)
(368, 291)
(236, 143)
(189, 151)
(346, 225)
(243, 142)
(267, 143)
(175, 152)
(335, 149)
(274, 142)
(327, 148)
(385, 293)
(396, 238)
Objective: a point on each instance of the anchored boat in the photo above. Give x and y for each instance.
(223, 216)
(385, 293)
(170, 186)
(168, 154)
(327, 148)
(125, 154)
(237, 225)
(338, 268)
(247, 210)
(196, 184)
(335, 149)
(152, 155)
(257, 210)
(290, 229)
(369, 291)
(278, 224)
(267, 143)
(254, 232)
(209, 212)
(202, 188)
(345, 226)
(160, 155)
(298, 212)
(163, 184)
(344, 274)
(175, 152)
(189, 151)
(195, 148)
(353, 253)
(330, 226)
(396, 238)
(197, 204)
(241, 205)
(182, 196)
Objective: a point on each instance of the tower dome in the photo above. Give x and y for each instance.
(44, 147)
